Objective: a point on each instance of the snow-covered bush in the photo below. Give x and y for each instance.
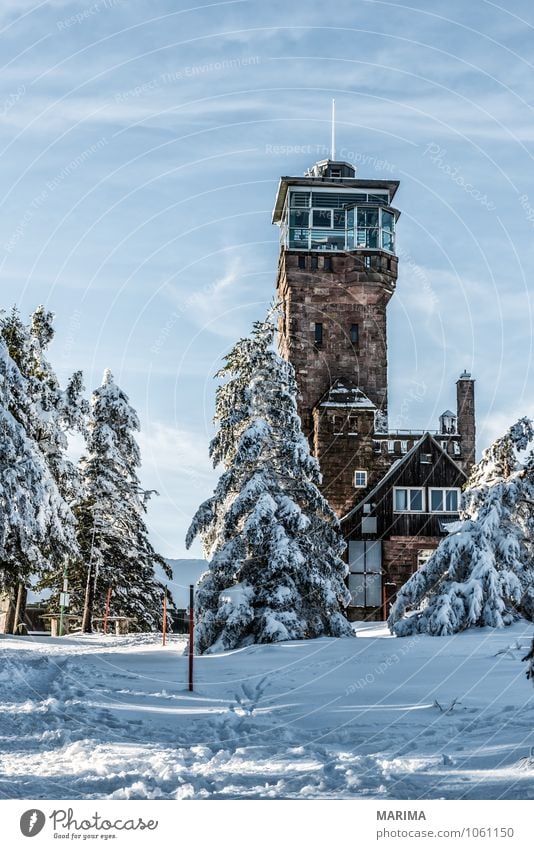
(483, 573)
(273, 542)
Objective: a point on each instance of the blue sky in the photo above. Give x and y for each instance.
(141, 147)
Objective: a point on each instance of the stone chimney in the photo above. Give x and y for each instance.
(465, 395)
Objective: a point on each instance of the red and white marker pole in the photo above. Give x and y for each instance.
(191, 632)
(165, 616)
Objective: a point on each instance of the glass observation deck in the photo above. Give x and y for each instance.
(338, 221)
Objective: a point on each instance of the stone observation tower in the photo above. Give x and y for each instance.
(337, 271)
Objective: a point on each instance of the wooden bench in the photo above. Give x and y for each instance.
(55, 618)
(122, 623)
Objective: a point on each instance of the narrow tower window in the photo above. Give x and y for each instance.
(302, 261)
(318, 334)
(354, 334)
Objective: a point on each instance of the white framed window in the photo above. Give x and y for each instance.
(365, 573)
(444, 500)
(404, 447)
(408, 499)
(391, 446)
(457, 449)
(444, 444)
(360, 479)
(426, 459)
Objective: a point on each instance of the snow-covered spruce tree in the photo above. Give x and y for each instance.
(272, 540)
(116, 551)
(58, 411)
(480, 574)
(36, 525)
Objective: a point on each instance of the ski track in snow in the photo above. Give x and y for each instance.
(105, 717)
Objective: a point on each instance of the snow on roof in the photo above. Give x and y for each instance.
(345, 394)
(449, 413)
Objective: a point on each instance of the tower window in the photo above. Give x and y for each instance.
(360, 479)
(354, 334)
(404, 447)
(318, 337)
(336, 424)
(391, 446)
(314, 263)
(302, 261)
(327, 263)
(322, 218)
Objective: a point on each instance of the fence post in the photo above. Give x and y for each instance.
(165, 616)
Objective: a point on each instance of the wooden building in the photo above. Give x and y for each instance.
(394, 491)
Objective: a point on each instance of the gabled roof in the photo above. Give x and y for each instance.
(449, 413)
(343, 393)
(398, 465)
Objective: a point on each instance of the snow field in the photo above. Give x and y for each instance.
(373, 717)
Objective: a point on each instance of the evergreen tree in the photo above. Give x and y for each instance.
(116, 552)
(483, 573)
(36, 524)
(58, 411)
(272, 540)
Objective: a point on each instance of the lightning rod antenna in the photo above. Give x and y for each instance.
(333, 129)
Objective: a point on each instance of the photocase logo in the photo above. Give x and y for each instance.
(32, 822)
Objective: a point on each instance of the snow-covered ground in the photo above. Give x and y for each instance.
(374, 717)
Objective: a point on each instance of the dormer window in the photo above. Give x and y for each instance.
(448, 423)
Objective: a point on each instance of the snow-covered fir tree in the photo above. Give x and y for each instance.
(37, 530)
(483, 572)
(116, 551)
(273, 542)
